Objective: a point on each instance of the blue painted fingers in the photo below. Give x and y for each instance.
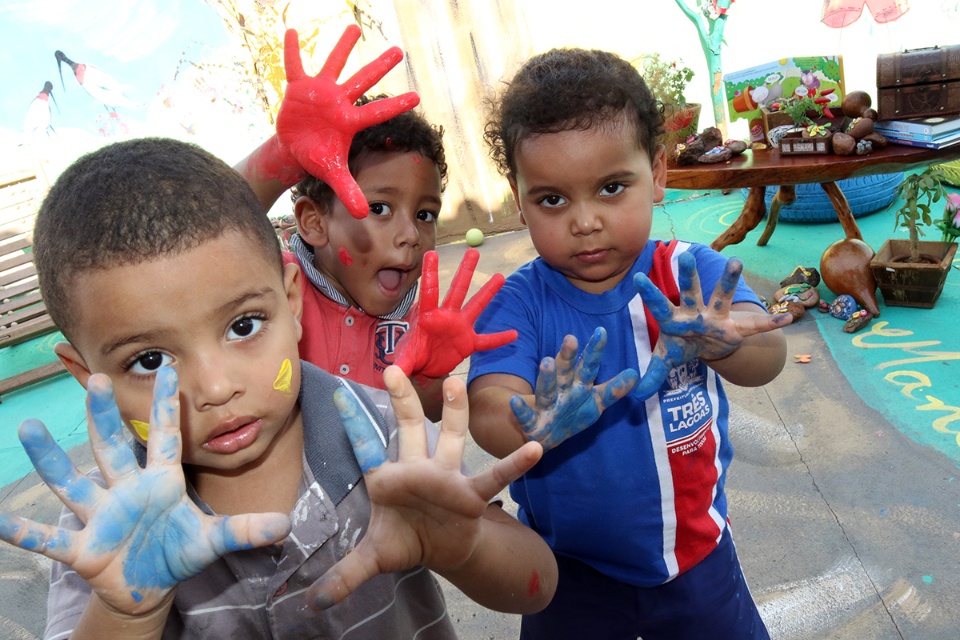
(566, 401)
(143, 534)
(367, 446)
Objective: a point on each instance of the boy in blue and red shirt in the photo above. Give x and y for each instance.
(633, 506)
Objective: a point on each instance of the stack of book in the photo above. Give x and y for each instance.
(931, 133)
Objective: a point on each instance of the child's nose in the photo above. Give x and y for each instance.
(407, 232)
(213, 381)
(585, 220)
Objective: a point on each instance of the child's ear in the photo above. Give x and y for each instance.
(311, 221)
(516, 197)
(659, 173)
(292, 284)
(73, 361)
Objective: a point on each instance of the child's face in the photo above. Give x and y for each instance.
(375, 261)
(225, 318)
(587, 198)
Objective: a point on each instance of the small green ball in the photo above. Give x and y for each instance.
(474, 237)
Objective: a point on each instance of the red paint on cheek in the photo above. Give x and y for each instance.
(416, 159)
(534, 587)
(345, 257)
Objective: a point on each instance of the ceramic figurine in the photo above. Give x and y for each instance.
(845, 268)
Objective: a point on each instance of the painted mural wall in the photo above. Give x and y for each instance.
(175, 64)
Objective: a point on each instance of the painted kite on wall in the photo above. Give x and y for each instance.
(841, 13)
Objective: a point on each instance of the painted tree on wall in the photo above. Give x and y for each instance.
(709, 17)
(258, 29)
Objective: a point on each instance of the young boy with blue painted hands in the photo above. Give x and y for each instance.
(246, 513)
(362, 260)
(630, 491)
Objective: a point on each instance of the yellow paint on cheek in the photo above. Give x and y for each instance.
(282, 383)
(142, 428)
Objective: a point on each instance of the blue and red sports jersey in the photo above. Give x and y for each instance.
(640, 494)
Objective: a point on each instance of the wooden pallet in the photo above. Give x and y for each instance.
(23, 315)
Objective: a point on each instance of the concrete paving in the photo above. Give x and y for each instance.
(845, 527)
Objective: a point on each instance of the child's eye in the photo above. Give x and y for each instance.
(612, 189)
(379, 209)
(552, 201)
(148, 362)
(427, 216)
(244, 328)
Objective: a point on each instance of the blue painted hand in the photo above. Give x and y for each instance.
(143, 535)
(566, 400)
(693, 329)
(423, 511)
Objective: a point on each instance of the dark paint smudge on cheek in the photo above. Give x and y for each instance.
(345, 257)
(534, 587)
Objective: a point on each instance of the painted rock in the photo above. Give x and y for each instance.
(801, 275)
(843, 307)
(803, 293)
(857, 321)
(845, 268)
(788, 306)
(736, 146)
(717, 154)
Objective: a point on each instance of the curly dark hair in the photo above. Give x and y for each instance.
(406, 132)
(134, 201)
(569, 89)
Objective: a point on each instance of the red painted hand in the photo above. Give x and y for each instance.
(318, 117)
(441, 338)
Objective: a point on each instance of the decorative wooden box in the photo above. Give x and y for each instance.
(918, 83)
(798, 144)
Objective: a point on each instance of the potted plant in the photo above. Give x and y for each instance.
(911, 273)
(668, 80)
(806, 136)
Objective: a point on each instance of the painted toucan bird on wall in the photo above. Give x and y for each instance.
(101, 86)
(37, 119)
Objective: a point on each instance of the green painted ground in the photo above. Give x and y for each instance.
(905, 364)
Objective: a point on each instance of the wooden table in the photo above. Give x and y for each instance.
(760, 169)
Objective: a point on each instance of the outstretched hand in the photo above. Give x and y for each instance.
(694, 330)
(440, 338)
(567, 402)
(142, 535)
(424, 510)
(318, 117)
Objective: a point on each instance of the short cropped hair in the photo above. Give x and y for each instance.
(570, 89)
(135, 201)
(403, 133)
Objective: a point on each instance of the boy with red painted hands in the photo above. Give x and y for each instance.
(362, 270)
(248, 493)
(630, 495)
(317, 121)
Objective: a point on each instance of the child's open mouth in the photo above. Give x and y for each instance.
(390, 279)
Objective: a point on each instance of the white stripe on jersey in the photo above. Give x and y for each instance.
(658, 439)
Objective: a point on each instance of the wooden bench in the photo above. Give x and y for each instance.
(23, 315)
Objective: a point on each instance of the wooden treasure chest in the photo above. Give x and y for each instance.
(918, 83)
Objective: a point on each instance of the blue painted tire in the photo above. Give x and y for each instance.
(865, 194)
